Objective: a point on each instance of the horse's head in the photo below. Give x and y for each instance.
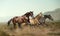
(31, 13)
(40, 14)
(50, 17)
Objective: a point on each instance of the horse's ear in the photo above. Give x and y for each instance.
(31, 11)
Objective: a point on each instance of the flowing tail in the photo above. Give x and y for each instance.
(9, 22)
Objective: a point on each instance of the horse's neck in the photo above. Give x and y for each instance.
(37, 17)
(26, 16)
(45, 18)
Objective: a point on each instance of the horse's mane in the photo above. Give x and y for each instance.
(37, 16)
(46, 15)
(26, 13)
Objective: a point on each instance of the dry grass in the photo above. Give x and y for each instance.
(51, 30)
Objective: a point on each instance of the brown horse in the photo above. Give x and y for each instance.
(21, 19)
(35, 20)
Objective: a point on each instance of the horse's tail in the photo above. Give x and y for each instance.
(9, 22)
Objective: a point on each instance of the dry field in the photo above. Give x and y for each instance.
(53, 29)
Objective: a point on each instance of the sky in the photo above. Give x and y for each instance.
(20, 7)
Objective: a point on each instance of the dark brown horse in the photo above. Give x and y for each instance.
(20, 19)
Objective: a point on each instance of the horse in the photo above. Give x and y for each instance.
(35, 21)
(21, 19)
(43, 19)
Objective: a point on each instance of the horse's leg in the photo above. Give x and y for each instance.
(33, 25)
(40, 23)
(28, 20)
(19, 25)
(45, 23)
(14, 25)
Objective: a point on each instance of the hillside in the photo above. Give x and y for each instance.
(55, 14)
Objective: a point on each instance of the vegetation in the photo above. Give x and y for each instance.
(51, 30)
